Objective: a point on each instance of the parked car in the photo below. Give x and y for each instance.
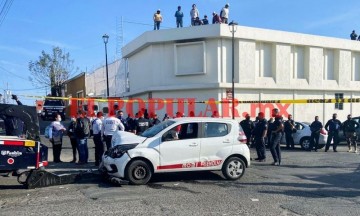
(303, 135)
(177, 145)
(51, 108)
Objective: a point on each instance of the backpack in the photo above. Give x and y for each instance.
(82, 128)
(47, 130)
(92, 125)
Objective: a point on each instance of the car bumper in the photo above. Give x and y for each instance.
(115, 166)
(323, 140)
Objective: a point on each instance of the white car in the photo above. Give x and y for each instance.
(177, 145)
(303, 135)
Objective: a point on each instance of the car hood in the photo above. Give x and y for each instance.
(123, 137)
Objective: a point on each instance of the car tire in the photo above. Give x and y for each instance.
(138, 172)
(233, 168)
(305, 143)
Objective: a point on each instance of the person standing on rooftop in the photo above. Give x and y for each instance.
(157, 20)
(224, 14)
(179, 17)
(194, 12)
(353, 35)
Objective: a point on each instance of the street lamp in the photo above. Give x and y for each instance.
(106, 38)
(233, 28)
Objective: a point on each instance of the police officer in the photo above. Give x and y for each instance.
(270, 126)
(289, 127)
(142, 123)
(247, 125)
(110, 125)
(315, 127)
(333, 127)
(130, 123)
(276, 134)
(260, 132)
(349, 127)
(72, 136)
(99, 145)
(155, 120)
(121, 117)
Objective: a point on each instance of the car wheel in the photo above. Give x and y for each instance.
(138, 172)
(233, 168)
(305, 143)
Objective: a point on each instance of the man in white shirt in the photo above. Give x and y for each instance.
(194, 12)
(110, 125)
(97, 125)
(224, 14)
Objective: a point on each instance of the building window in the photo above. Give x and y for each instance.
(298, 62)
(190, 58)
(264, 54)
(80, 94)
(329, 64)
(339, 106)
(356, 66)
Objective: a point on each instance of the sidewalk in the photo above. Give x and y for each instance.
(66, 156)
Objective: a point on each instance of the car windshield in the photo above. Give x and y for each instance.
(53, 103)
(157, 128)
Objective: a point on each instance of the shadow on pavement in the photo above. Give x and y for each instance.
(185, 176)
(329, 185)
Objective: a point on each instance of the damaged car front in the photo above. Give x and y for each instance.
(127, 146)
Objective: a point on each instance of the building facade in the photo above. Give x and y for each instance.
(93, 85)
(96, 80)
(75, 88)
(196, 62)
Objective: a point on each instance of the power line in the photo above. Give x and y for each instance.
(5, 10)
(30, 89)
(145, 24)
(14, 74)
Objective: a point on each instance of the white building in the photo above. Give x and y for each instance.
(96, 80)
(196, 62)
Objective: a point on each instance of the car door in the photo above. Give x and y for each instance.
(216, 144)
(300, 132)
(181, 154)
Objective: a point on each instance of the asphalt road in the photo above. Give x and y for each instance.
(307, 183)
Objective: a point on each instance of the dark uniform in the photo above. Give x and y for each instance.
(289, 125)
(270, 128)
(333, 127)
(131, 124)
(315, 128)
(275, 139)
(142, 124)
(247, 125)
(156, 121)
(73, 141)
(258, 133)
(349, 127)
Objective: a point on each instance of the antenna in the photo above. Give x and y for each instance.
(119, 37)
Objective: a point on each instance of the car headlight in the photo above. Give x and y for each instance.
(119, 150)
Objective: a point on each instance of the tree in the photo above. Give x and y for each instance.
(52, 70)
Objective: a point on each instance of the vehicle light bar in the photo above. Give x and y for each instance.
(27, 143)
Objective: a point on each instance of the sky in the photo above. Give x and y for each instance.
(77, 27)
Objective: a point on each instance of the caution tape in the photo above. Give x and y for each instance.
(191, 100)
